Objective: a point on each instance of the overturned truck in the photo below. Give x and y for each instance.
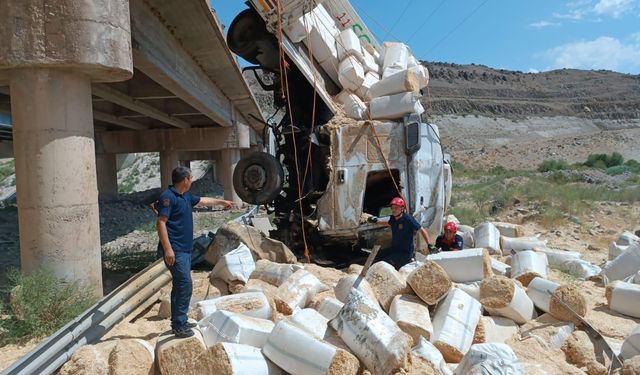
(352, 135)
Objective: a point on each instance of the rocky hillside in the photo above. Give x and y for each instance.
(480, 90)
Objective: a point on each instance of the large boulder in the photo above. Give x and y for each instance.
(231, 234)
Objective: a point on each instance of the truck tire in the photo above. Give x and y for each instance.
(258, 178)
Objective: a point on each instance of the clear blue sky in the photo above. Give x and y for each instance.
(525, 35)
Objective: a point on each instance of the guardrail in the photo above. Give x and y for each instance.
(139, 292)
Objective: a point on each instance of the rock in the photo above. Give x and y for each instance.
(229, 236)
(131, 357)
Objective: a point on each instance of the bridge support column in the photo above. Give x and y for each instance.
(107, 172)
(227, 163)
(56, 174)
(168, 161)
(52, 50)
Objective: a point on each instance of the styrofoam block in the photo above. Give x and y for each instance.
(272, 272)
(466, 232)
(353, 106)
(386, 283)
(498, 329)
(520, 309)
(226, 326)
(372, 335)
(615, 250)
(509, 229)
(298, 29)
(520, 243)
(454, 324)
(624, 298)
(370, 78)
(242, 359)
(330, 307)
(428, 351)
(350, 73)
(472, 289)
(579, 268)
(330, 66)
(322, 45)
(298, 352)
(369, 62)
(452, 218)
(631, 344)
(527, 264)
(396, 58)
(486, 235)
(538, 291)
(423, 75)
(621, 244)
(464, 266)
(500, 268)
(311, 321)
(253, 304)
(406, 270)
(624, 265)
(345, 284)
(412, 316)
(395, 106)
(236, 265)
(627, 238)
(348, 44)
(555, 257)
(403, 81)
(479, 353)
(297, 291)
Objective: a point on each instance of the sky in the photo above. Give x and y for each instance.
(523, 35)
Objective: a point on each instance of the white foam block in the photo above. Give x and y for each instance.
(462, 266)
(226, 326)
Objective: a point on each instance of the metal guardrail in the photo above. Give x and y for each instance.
(139, 292)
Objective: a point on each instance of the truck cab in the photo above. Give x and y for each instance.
(328, 173)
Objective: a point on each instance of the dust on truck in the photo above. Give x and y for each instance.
(352, 135)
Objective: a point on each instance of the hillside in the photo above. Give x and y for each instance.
(480, 90)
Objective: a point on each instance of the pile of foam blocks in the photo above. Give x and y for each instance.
(376, 85)
(446, 313)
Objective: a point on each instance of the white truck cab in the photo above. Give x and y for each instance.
(328, 175)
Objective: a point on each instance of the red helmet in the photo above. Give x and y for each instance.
(451, 226)
(397, 201)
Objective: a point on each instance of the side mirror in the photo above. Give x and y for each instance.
(412, 133)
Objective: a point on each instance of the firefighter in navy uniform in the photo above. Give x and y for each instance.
(403, 229)
(449, 241)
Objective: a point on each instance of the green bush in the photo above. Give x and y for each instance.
(553, 165)
(43, 304)
(630, 166)
(604, 161)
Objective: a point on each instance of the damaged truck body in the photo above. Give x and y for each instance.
(328, 171)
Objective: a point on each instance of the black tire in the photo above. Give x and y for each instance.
(258, 178)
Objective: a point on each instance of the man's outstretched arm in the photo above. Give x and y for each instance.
(210, 202)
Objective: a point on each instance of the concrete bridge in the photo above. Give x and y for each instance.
(85, 81)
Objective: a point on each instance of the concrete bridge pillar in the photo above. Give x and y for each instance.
(51, 52)
(168, 161)
(225, 166)
(107, 172)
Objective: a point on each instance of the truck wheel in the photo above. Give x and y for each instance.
(258, 178)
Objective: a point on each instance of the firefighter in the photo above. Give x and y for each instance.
(403, 229)
(449, 240)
